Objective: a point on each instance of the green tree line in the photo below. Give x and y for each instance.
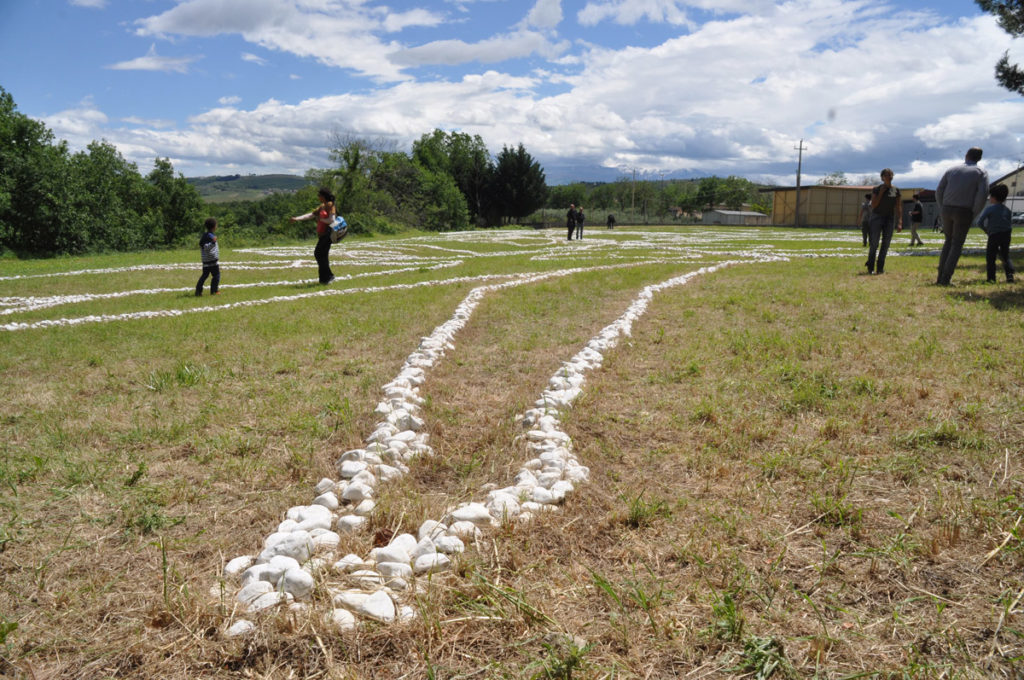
(659, 201)
(56, 202)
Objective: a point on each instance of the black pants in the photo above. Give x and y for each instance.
(572, 227)
(998, 244)
(879, 236)
(322, 250)
(209, 270)
(579, 230)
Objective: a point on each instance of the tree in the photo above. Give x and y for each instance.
(708, 192)
(834, 179)
(34, 210)
(110, 199)
(1011, 19)
(464, 158)
(175, 206)
(519, 187)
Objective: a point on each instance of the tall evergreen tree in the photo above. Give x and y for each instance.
(1010, 14)
(519, 187)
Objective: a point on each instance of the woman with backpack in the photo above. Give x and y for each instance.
(324, 215)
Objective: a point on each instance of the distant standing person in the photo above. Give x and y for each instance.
(961, 195)
(324, 216)
(570, 220)
(916, 218)
(579, 222)
(210, 253)
(886, 212)
(865, 219)
(611, 221)
(996, 220)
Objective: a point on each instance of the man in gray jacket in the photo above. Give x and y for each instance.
(961, 195)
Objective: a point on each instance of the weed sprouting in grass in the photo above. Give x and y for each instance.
(946, 433)
(728, 621)
(565, 655)
(764, 657)
(642, 513)
(835, 511)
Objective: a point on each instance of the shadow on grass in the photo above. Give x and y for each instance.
(1001, 296)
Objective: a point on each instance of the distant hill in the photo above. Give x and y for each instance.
(225, 188)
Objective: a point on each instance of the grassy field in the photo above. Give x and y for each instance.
(797, 470)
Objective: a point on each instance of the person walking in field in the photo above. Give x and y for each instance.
(210, 254)
(865, 219)
(324, 216)
(579, 222)
(996, 220)
(570, 220)
(961, 195)
(916, 218)
(886, 212)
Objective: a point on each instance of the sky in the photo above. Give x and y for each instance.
(593, 89)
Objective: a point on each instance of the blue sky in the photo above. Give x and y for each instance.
(593, 88)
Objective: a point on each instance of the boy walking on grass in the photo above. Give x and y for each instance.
(996, 221)
(210, 254)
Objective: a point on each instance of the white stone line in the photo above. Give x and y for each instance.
(286, 569)
(165, 313)
(26, 304)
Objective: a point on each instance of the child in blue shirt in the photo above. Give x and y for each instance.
(995, 220)
(211, 255)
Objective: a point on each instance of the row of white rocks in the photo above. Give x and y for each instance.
(305, 544)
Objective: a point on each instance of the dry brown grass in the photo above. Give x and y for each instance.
(787, 456)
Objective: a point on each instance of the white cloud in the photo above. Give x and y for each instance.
(545, 14)
(490, 51)
(91, 4)
(154, 62)
(863, 85)
(260, 61)
(229, 100)
(630, 12)
(339, 33)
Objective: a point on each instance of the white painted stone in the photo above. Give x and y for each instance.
(296, 544)
(350, 599)
(343, 620)
(391, 570)
(406, 613)
(328, 500)
(250, 592)
(386, 473)
(350, 468)
(379, 607)
(236, 566)
(404, 541)
(390, 553)
(297, 582)
(429, 564)
(431, 529)
(324, 485)
(349, 563)
(465, 530)
(268, 600)
(560, 489)
(325, 540)
(353, 454)
(354, 493)
(287, 526)
(367, 579)
(348, 524)
(240, 628)
(424, 547)
(476, 513)
(449, 545)
(364, 508)
(541, 495)
(366, 477)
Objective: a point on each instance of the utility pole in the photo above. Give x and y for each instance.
(799, 165)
